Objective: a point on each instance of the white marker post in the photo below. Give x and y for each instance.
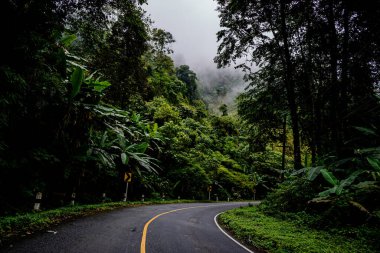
(126, 193)
(37, 203)
(73, 195)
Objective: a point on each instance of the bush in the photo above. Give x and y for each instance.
(290, 196)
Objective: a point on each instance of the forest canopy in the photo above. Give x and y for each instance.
(89, 91)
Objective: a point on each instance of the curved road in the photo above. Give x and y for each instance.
(184, 228)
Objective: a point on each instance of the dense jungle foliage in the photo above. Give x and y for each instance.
(89, 91)
(319, 76)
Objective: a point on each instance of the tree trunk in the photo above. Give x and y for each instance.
(334, 94)
(283, 146)
(310, 83)
(289, 84)
(344, 79)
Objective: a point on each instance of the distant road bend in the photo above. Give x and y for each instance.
(174, 228)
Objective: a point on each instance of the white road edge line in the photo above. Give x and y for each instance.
(224, 232)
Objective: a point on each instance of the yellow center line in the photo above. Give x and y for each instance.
(145, 231)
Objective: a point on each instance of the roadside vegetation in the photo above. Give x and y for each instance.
(266, 233)
(89, 91)
(317, 87)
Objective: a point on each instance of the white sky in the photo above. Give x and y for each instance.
(194, 24)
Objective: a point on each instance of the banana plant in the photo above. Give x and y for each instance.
(125, 138)
(338, 186)
(111, 146)
(80, 76)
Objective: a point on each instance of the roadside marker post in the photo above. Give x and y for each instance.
(73, 195)
(37, 203)
(142, 198)
(209, 189)
(126, 193)
(127, 179)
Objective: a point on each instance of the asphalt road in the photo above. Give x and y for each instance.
(175, 228)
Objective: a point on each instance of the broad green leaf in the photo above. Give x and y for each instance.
(138, 148)
(100, 86)
(91, 76)
(375, 175)
(366, 131)
(339, 189)
(103, 140)
(313, 173)
(348, 181)
(375, 163)
(141, 148)
(124, 158)
(368, 150)
(328, 192)
(76, 80)
(342, 161)
(368, 185)
(67, 40)
(300, 171)
(74, 64)
(329, 177)
(136, 117)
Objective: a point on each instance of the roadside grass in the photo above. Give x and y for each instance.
(269, 234)
(20, 225)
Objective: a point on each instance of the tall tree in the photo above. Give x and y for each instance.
(317, 49)
(261, 28)
(188, 76)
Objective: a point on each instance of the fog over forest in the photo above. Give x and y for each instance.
(194, 25)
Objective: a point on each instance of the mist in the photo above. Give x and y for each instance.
(194, 24)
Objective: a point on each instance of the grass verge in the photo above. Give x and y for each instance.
(14, 227)
(269, 234)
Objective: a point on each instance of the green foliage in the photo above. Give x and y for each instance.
(161, 110)
(329, 177)
(89, 91)
(189, 78)
(76, 80)
(339, 192)
(276, 235)
(56, 135)
(290, 196)
(223, 109)
(161, 41)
